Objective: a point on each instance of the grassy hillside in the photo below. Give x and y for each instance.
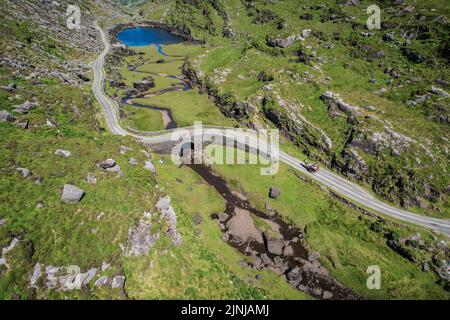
(393, 141)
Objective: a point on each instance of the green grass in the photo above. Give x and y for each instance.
(143, 119)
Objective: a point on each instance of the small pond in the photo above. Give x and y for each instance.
(144, 36)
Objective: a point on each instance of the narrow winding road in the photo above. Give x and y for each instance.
(347, 189)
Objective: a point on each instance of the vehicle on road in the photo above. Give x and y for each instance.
(311, 167)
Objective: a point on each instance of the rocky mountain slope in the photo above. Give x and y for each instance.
(372, 104)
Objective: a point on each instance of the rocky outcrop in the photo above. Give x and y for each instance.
(168, 213)
(139, 237)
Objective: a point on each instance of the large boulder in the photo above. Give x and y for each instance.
(71, 194)
(275, 246)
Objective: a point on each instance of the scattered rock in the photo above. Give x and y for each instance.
(288, 251)
(313, 256)
(440, 92)
(133, 161)
(24, 107)
(108, 163)
(71, 194)
(149, 166)
(306, 33)
(275, 246)
(24, 172)
(197, 218)
(118, 282)
(282, 42)
(90, 178)
(36, 274)
(274, 193)
(64, 153)
(388, 37)
(101, 281)
(222, 217)
(381, 91)
(105, 266)
(5, 116)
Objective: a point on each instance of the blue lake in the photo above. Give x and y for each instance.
(145, 36)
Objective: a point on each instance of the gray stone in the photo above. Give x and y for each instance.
(101, 281)
(197, 218)
(5, 116)
(440, 92)
(24, 172)
(91, 179)
(118, 282)
(133, 161)
(71, 194)
(275, 246)
(313, 256)
(225, 236)
(288, 251)
(39, 180)
(149, 166)
(222, 217)
(36, 274)
(108, 163)
(115, 168)
(274, 193)
(51, 270)
(306, 33)
(381, 91)
(282, 42)
(389, 37)
(22, 125)
(123, 149)
(327, 295)
(24, 107)
(62, 152)
(105, 266)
